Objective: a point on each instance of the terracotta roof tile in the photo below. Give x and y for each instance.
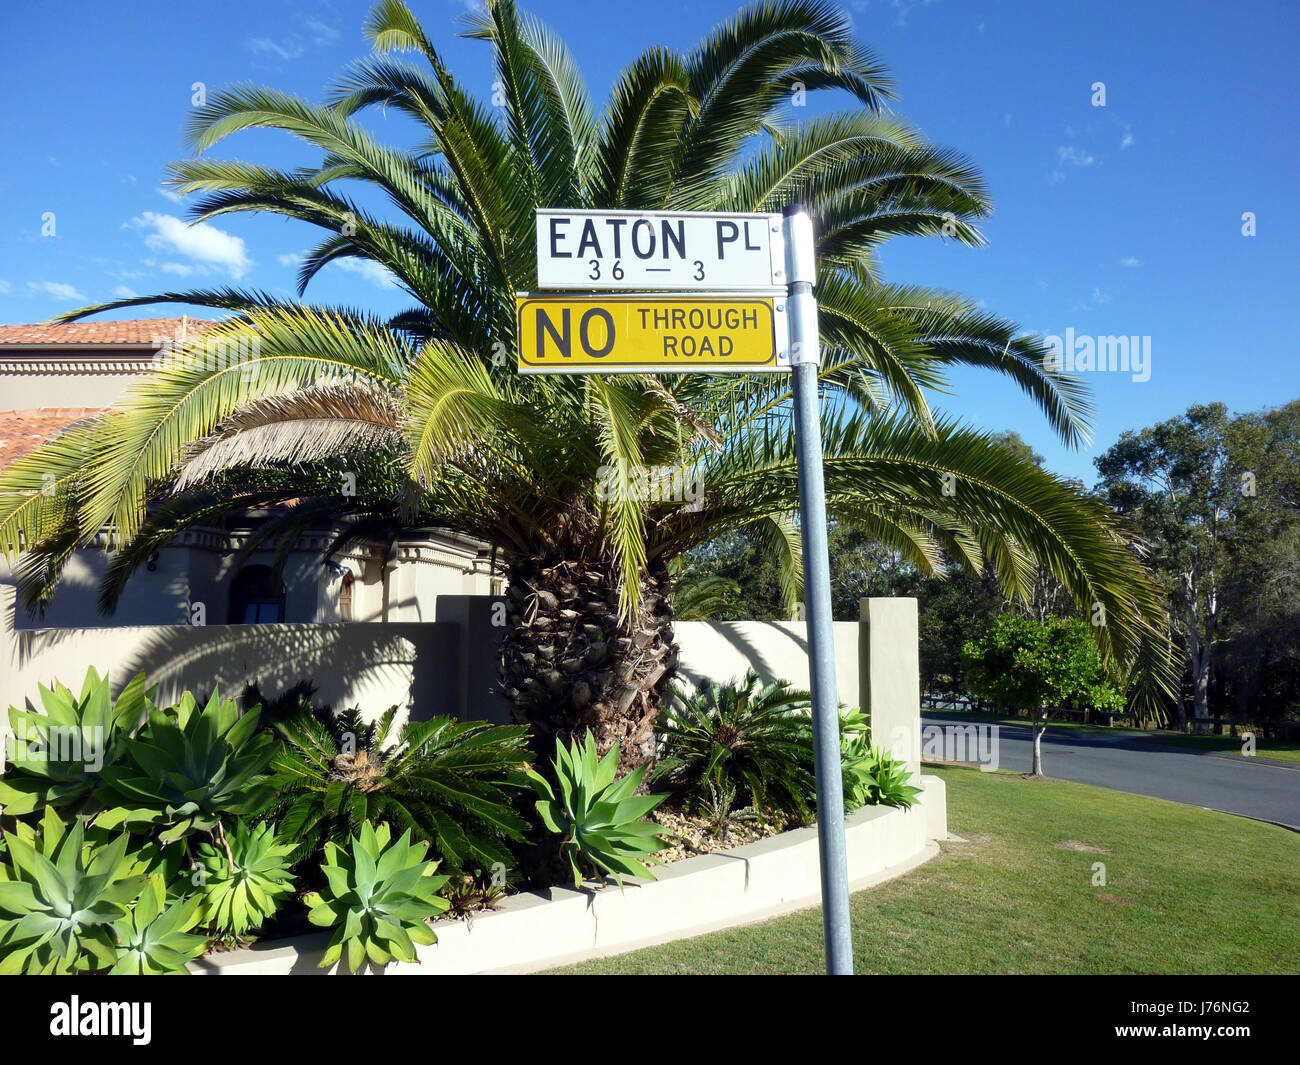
(137, 332)
(23, 431)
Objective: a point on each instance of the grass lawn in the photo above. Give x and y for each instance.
(1264, 748)
(1187, 891)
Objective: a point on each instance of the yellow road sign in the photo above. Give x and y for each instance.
(710, 333)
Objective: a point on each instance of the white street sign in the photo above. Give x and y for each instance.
(659, 250)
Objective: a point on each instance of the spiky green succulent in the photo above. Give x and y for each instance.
(189, 767)
(154, 938)
(241, 890)
(57, 756)
(872, 776)
(61, 896)
(600, 818)
(378, 898)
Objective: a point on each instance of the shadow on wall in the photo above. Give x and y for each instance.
(370, 666)
(770, 648)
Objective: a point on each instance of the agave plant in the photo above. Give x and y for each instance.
(188, 767)
(468, 895)
(752, 735)
(874, 777)
(445, 780)
(718, 809)
(600, 818)
(379, 897)
(245, 879)
(154, 938)
(60, 898)
(58, 755)
(428, 402)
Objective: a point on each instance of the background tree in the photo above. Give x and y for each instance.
(733, 577)
(1041, 666)
(1216, 498)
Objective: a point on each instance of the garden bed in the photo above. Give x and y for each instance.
(537, 930)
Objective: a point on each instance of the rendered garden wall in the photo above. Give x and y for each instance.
(539, 930)
(448, 666)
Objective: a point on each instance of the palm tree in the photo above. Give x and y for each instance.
(426, 410)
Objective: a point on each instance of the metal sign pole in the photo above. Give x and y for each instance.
(805, 355)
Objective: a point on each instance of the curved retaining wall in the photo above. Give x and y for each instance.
(539, 930)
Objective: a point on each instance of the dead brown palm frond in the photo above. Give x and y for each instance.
(687, 413)
(303, 425)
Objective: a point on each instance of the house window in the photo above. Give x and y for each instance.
(345, 598)
(256, 597)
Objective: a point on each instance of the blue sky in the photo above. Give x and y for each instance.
(1124, 220)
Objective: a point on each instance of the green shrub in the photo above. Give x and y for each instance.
(600, 818)
(445, 780)
(243, 889)
(378, 897)
(60, 898)
(872, 776)
(188, 767)
(153, 938)
(753, 736)
(89, 729)
(1023, 662)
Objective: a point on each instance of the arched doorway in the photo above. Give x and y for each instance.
(256, 597)
(346, 612)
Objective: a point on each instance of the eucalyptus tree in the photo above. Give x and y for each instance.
(551, 471)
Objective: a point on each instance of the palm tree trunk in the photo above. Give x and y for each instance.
(570, 663)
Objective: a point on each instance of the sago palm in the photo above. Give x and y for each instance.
(427, 413)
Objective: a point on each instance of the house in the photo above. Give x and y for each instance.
(55, 375)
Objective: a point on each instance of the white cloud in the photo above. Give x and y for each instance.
(1074, 156)
(1130, 261)
(123, 293)
(56, 289)
(4, 287)
(321, 33)
(1127, 138)
(904, 8)
(289, 50)
(314, 31)
(204, 243)
(175, 197)
(1100, 297)
(370, 270)
(1069, 154)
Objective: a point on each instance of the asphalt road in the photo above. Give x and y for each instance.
(1128, 762)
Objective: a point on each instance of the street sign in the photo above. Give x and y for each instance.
(647, 333)
(736, 328)
(610, 251)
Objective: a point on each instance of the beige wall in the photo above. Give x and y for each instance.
(777, 650)
(891, 675)
(448, 665)
(29, 391)
(371, 666)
